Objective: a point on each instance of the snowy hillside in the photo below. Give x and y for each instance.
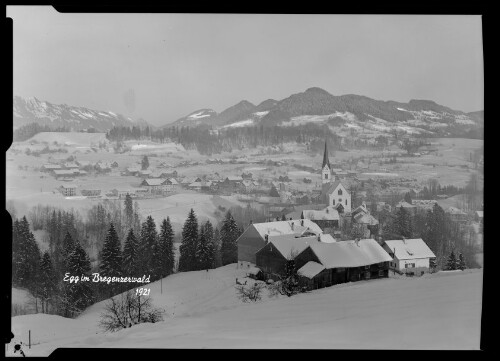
(33, 110)
(440, 311)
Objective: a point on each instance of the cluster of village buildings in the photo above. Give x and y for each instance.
(310, 236)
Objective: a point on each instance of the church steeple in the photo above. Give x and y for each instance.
(326, 161)
(325, 167)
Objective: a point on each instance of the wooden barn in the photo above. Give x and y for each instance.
(326, 264)
(255, 235)
(272, 258)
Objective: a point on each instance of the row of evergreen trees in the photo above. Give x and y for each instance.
(203, 247)
(147, 252)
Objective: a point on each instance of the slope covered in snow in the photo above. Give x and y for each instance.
(440, 311)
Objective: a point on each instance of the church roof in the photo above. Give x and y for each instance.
(326, 161)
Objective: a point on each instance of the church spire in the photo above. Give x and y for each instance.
(326, 161)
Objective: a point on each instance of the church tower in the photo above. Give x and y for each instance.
(326, 173)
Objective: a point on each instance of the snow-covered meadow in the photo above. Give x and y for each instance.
(439, 311)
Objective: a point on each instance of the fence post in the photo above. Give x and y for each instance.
(29, 338)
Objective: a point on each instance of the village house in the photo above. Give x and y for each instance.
(144, 173)
(70, 165)
(171, 185)
(103, 167)
(478, 216)
(322, 264)
(154, 185)
(68, 190)
(407, 206)
(246, 176)
(410, 256)
(122, 193)
(247, 185)
(276, 212)
(91, 192)
(231, 184)
(65, 173)
(361, 215)
(456, 215)
(255, 235)
(50, 168)
(134, 171)
(327, 219)
(424, 204)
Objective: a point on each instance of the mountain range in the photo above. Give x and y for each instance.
(317, 105)
(314, 105)
(32, 110)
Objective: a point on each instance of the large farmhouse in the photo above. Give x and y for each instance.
(411, 256)
(257, 235)
(325, 264)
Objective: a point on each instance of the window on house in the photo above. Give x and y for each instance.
(326, 175)
(340, 200)
(333, 201)
(340, 192)
(346, 202)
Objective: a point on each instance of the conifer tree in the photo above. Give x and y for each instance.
(229, 233)
(129, 212)
(165, 255)
(452, 262)
(205, 247)
(111, 258)
(48, 282)
(187, 249)
(130, 256)
(408, 198)
(27, 255)
(461, 265)
(149, 237)
(68, 247)
(403, 226)
(80, 294)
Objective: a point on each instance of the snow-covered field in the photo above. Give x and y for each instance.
(439, 311)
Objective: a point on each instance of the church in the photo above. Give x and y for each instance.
(333, 192)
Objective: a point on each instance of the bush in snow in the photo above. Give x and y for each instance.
(250, 293)
(128, 309)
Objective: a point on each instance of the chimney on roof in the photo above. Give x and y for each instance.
(302, 222)
(267, 238)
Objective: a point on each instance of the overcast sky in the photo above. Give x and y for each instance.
(164, 66)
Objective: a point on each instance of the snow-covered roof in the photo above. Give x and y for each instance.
(65, 171)
(329, 213)
(350, 253)
(285, 227)
(327, 238)
(453, 210)
(410, 248)
(235, 178)
(153, 181)
(68, 186)
(289, 244)
(365, 218)
(404, 205)
(310, 269)
(172, 181)
(51, 166)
